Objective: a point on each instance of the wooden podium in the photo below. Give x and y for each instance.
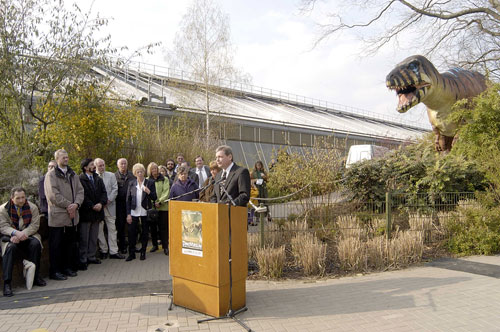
(199, 256)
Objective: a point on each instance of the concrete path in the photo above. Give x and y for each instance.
(446, 295)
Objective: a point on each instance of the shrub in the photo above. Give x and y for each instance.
(271, 261)
(475, 230)
(413, 169)
(320, 167)
(15, 171)
(309, 253)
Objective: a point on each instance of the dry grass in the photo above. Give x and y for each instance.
(420, 222)
(349, 227)
(405, 248)
(274, 236)
(309, 253)
(376, 253)
(445, 219)
(379, 254)
(293, 228)
(271, 261)
(352, 255)
(253, 243)
(423, 225)
(355, 247)
(378, 223)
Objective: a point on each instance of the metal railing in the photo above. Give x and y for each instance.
(425, 213)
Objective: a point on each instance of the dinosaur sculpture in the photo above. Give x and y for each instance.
(416, 80)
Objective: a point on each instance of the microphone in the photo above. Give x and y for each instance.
(258, 209)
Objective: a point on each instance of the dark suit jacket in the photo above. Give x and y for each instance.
(237, 185)
(193, 176)
(93, 194)
(123, 181)
(147, 199)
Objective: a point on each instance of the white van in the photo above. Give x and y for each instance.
(364, 152)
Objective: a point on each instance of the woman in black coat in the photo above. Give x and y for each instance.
(141, 194)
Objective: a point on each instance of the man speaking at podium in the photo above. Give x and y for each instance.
(233, 178)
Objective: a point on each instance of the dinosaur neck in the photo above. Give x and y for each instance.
(443, 94)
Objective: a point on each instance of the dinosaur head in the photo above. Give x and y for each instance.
(412, 79)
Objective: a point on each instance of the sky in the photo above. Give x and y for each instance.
(274, 45)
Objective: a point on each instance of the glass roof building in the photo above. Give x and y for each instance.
(257, 121)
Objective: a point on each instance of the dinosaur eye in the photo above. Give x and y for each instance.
(413, 66)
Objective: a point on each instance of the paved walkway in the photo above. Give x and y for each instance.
(447, 295)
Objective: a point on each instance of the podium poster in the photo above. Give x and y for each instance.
(192, 233)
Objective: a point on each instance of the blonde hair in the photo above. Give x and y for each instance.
(213, 165)
(138, 167)
(151, 165)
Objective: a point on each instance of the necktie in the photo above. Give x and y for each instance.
(92, 180)
(222, 182)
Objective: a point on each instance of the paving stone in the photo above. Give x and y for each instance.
(458, 295)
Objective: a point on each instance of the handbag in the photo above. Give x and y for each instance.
(153, 215)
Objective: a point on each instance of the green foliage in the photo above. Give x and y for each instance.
(320, 167)
(178, 134)
(475, 230)
(47, 56)
(415, 168)
(479, 136)
(88, 126)
(15, 171)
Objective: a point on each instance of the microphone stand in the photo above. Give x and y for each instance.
(230, 314)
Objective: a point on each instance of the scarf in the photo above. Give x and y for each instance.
(25, 214)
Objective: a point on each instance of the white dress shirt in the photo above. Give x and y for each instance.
(139, 211)
(202, 175)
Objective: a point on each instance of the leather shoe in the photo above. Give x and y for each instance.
(116, 256)
(7, 290)
(137, 250)
(94, 261)
(39, 282)
(155, 248)
(70, 273)
(143, 255)
(103, 255)
(82, 266)
(123, 251)
(130, 257)
(166, 251)
(58, 276)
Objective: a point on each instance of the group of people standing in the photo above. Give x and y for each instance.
(89, 214)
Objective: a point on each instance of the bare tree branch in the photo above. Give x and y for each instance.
(456, 30)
